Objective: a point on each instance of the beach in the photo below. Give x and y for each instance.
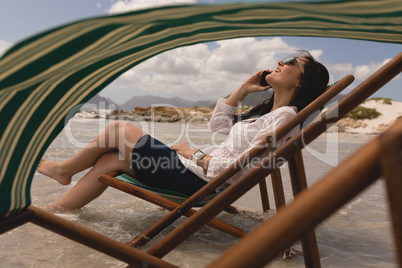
(389, 110)
(358, 235)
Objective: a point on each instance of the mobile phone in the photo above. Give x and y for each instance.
(263, 82)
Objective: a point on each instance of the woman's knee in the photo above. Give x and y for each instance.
(125, 136)
(112, 161)
(120, 126)
(117, 125)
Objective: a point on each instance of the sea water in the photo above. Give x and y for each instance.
(358, 235)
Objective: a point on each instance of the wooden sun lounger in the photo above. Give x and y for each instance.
(268, 144)
(289, 151)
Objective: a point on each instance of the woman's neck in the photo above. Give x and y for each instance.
(281, 100)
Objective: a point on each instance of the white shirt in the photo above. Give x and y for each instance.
(242, 137)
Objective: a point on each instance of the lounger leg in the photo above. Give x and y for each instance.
(277, 186)
(264, 195)
(299, 182)
(280, 200)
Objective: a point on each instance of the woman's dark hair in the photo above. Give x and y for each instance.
(312, 84)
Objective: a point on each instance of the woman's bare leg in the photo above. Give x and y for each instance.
(119, 136)
(88, 187)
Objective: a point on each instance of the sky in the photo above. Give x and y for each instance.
(204, 71)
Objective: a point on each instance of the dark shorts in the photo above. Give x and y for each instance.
(157, 165)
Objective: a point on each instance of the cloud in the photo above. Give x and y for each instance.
(4, 46)
(317, 53)
(361, 72)
(341, 69)
(130, 5)
(204, 71)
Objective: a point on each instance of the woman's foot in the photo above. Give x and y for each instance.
(53, 170)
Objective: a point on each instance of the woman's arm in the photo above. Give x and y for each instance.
(222, 117)
(186, 151)
(251, 85)
(271, 122)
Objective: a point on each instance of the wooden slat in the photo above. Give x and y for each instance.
(264, 195)
(299, 183)
(15, 220)
(95, 240)
(277, 186)
(297, 172)
(391, 166)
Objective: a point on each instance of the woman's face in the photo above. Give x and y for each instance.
(287, 75)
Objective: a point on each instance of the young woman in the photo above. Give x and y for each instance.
(126, 148)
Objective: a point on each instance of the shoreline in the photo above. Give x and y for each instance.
(359, 122)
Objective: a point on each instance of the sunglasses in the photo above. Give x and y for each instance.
(292, 62)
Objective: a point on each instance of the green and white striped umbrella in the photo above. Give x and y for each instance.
(42, 78)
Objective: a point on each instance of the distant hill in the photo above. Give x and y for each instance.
(149, 100)
(99, 102)
(205, 103)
